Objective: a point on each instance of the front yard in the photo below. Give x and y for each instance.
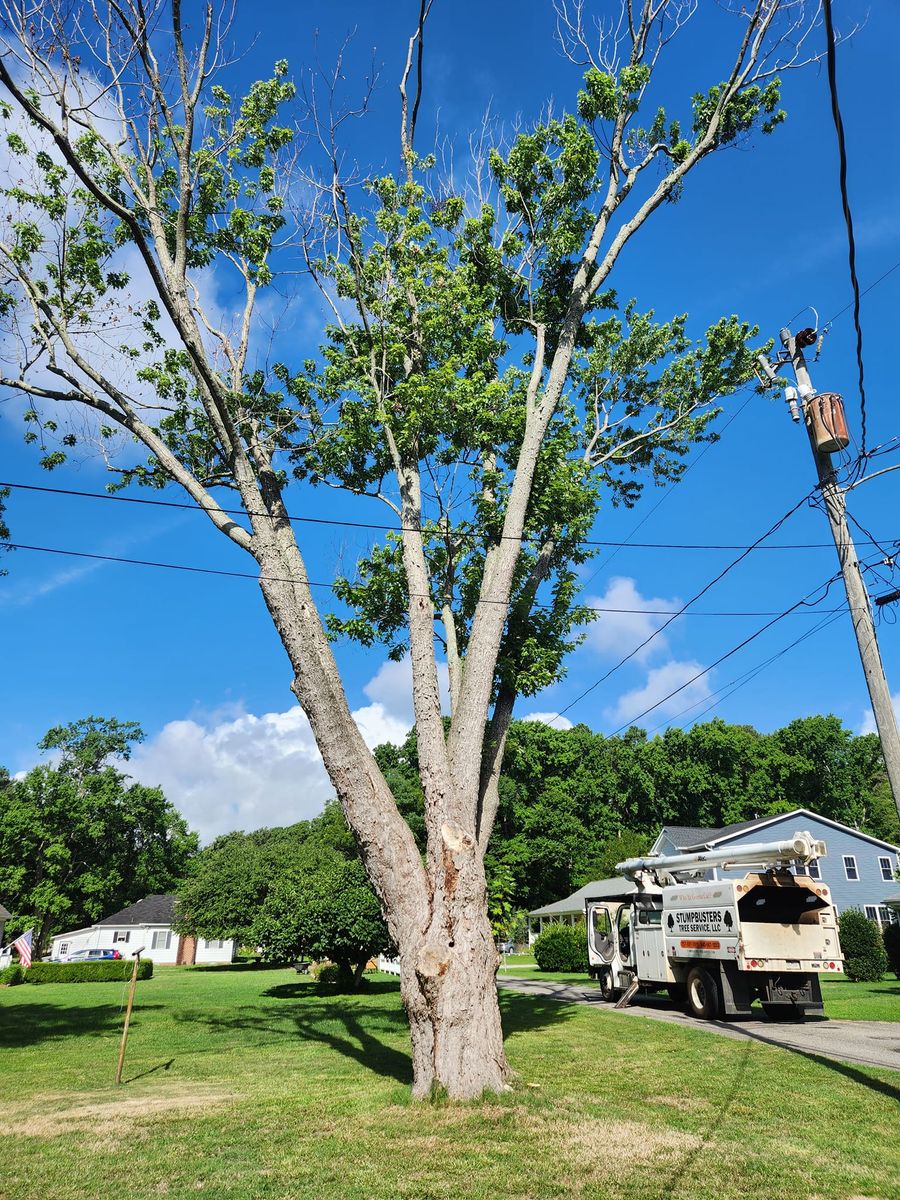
(250, 1083)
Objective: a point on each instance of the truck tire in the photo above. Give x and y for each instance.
(607, 991)
(704, 996)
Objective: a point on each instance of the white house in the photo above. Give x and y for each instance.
(147, 924)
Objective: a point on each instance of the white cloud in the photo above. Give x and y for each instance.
(868, 723)
(549, 718)
(392, 688)
(672, 675)
(229, 769)
(225, 772)
(616, 633)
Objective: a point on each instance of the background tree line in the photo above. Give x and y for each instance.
(573, 803)
(78, 839)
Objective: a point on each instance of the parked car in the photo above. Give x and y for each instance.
(94, 954)
(507, 947)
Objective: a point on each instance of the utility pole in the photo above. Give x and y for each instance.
(857, 596)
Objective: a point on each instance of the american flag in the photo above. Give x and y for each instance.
(23, 945)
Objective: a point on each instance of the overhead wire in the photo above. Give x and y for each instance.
(256, 576)
(722, 658)
(343, 524)
(637, 649)
(831, 62)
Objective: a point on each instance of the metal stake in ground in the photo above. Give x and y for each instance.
(857, 596)
(134, 972)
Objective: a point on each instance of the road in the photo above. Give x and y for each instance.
(871, 1043)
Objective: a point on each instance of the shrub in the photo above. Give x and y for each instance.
(12, 975)
(865, 960)
(113, 970)
(562, 948)
(892, 947)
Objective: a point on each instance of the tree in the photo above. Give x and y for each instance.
(479, 377)
(78, 840)
(330, 912)
(231, 879)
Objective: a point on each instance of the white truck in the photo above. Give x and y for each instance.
(718, 944)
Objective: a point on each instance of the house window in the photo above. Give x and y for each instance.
(887, 915)
(215, 944)
(63, 947)
(850, 867)
(161, 940)
(812, 869)
(872, 912)
(886, 868)
(121, 935)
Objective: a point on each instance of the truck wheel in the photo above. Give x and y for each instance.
(703, 994)
(607, 991)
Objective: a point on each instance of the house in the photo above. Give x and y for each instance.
(571, 910)
(5, 914)
(145, 926)
(860, 870)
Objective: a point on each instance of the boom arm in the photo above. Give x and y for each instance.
(802, 847)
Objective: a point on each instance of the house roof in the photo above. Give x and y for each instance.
(152, 910)
(575, 902)
(686, 837)
(4, 914)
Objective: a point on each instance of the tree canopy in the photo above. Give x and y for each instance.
(79, 840)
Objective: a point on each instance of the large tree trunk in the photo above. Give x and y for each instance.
(436, 912)
(448, 983)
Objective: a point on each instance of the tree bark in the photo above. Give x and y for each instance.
(436, 912)
(448, 984)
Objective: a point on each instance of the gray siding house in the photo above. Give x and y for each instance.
(860, 870)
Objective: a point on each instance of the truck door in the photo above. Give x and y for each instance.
(601, 933)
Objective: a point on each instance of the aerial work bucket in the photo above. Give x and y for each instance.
(825, 418)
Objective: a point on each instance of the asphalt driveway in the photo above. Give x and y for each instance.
(871, 1043)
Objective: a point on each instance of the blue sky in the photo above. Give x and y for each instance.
(759, 232)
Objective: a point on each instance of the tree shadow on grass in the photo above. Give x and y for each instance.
(359, 1026)
(242, 967)
(31, 1022)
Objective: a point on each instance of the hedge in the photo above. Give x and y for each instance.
(865, 960)
(12, 974)
(562, 948)
(111, 970)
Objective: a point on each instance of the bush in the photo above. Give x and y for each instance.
(865, 960)
(892, 947)
(113, 970)
(12, 975)
(562, 948)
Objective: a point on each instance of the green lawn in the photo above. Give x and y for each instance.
(246, 1084)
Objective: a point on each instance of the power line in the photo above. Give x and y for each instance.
(621, 663)
(848, 215)
(722, 658)
(829, 617)
(192, 507)
(668, 492)
(170, 566)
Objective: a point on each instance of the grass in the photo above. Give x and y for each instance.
(247, 1084)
